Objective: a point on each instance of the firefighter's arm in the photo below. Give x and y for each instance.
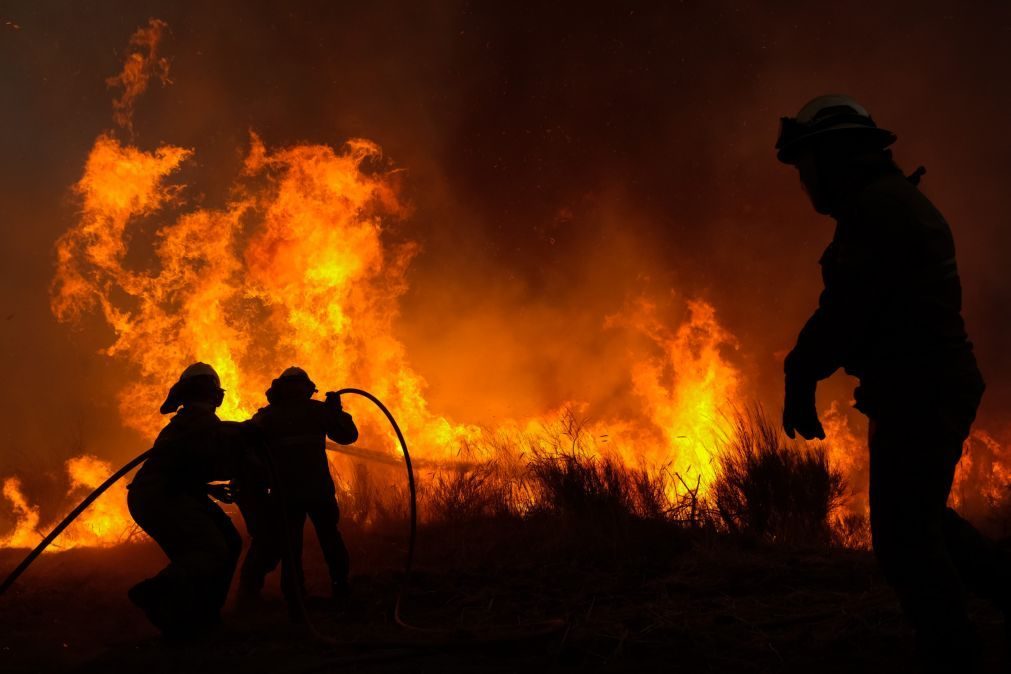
(820, 347)
(805, 366)
(865, 273)
(339, 425)
(839, 322)
(843, 318)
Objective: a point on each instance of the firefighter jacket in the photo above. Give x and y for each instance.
(890, 311)
(194, 448)
(294, 432)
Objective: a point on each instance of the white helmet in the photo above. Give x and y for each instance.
(823, 115)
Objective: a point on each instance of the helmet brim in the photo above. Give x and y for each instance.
(789, 153)
(183, 388)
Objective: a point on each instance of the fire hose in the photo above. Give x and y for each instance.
(489, 635)
(27, 561)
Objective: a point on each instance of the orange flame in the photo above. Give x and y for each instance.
(295, 269)
(142, 63)
(24, 534)
(313, 283)
(299, 266)
(106, 523)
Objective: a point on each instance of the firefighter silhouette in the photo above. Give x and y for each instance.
(169, 499)
(890, 314)
(294, 428)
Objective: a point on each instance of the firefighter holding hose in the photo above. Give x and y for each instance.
(169, 499)
(294, 428)
(890, 314)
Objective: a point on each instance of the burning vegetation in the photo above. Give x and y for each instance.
(307, 261)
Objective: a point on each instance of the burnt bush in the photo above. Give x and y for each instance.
(772, 489)
(581, 486)
(466, 493)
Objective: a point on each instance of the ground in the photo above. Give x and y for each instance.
(671, 600)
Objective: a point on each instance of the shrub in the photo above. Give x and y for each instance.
(467, 492)
(582, 486)
(773, 489)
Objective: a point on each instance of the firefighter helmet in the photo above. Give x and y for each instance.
(294, 371)
(198, 377)
(293, 381)
(832, 113)
(200, 370)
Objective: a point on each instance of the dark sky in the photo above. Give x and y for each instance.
(537, 141)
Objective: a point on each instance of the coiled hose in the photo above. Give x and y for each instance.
(487, 635)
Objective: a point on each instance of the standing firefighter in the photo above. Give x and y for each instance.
(294, 429)
(169, 500)
(890, 314)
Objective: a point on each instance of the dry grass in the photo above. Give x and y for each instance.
(772, 489)
(636, 561)
(766, 488)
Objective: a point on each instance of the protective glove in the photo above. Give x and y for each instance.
(334, 400)
(799, 412)
(221, 492)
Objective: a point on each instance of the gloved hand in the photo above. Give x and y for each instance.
(799, 412)
(334, 400)
(221, 492)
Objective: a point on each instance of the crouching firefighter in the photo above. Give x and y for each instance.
(294, 428)
(890, 314)
(169, 499)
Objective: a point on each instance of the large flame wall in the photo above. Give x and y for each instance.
(255, 254)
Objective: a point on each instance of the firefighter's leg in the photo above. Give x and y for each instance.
(983, 564)
(292, 577)
(912, 468)
(176, 599)
(325, 516)
(222, 580)
(165, 596)
(265, 544)
(208, 560)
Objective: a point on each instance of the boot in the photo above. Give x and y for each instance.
(340, 594)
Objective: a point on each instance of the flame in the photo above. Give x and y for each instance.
(686, 389)
(846, 449)
(300, 265)
(142, 63)
(296, 267)
(106, 523)
(305, 263)
(313, 283)
(983, 479)
(24, 534)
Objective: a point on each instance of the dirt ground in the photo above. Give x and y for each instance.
(682, 602)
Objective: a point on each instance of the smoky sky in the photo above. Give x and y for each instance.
(556, 155)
